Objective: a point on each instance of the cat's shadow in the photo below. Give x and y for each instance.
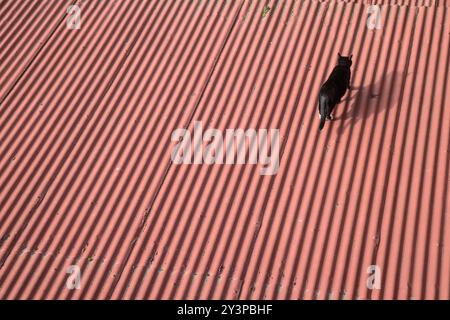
(365, 102)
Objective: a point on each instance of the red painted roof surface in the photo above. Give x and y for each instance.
(86, 178)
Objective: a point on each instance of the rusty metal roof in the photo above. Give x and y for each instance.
(86, 178)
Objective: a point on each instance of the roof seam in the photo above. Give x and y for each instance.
(52, 178)
(166, 171)
(33, 58)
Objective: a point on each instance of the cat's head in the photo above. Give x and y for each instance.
(345, 61)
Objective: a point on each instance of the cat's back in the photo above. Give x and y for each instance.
(340, 73)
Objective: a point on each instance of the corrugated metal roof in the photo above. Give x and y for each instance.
(86, 177)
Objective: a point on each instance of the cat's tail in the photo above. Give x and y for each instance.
(323, 108)
(322, 122)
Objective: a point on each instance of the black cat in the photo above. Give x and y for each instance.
(334, 88)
